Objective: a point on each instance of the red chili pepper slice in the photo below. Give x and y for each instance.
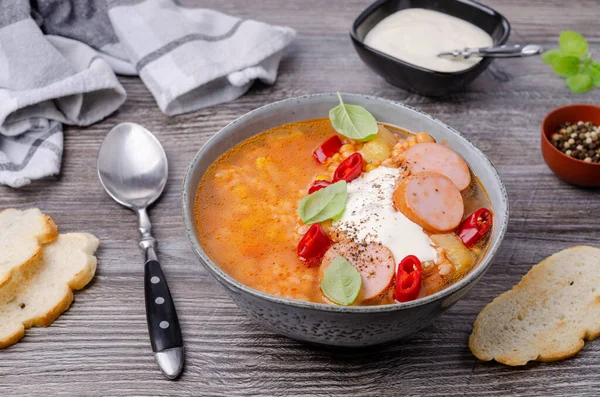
(472, 229)
(327, 148)
(408, 279)
(313, 245)
(349, 169)
(318, 185)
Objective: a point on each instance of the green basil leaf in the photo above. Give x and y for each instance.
(580, 83)
(595, 68)
(338, 216)
(572, 43)
(592, 71)
(341, 282)
(323, 204)
(551, 56)
(566, 66)
(353, 121)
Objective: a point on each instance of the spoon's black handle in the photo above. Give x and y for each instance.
(163, 324)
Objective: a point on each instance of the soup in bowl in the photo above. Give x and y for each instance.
(350, 230)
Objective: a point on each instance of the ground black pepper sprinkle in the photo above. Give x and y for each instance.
(579, 140)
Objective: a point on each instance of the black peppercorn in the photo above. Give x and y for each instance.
(580, 140)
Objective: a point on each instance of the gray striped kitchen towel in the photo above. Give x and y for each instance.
(57, 59)
(192, 58)
(45, 81)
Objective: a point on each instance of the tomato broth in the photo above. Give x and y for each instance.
(247, 220)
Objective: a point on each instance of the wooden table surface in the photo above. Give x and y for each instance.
(100, 346)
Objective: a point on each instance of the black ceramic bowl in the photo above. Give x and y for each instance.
(415, 78)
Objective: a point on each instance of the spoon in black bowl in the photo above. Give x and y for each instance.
(133, 168)
(504, 51)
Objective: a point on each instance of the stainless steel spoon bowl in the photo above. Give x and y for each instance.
(503, 51)
(133, 168)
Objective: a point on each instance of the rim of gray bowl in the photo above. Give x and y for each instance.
(222, 276)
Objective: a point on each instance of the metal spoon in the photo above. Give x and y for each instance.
(505, 51)
(132, 167)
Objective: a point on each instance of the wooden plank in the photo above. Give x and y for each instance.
(100, 347)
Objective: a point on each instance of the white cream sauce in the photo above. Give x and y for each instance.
(370, 217)
(417, 35)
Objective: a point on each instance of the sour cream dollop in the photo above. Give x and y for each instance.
(370, 217)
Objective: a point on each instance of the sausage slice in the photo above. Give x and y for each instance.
(374, 262)
(430, 200)
(438, 158)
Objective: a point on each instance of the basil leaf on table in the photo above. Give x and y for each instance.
(573, 62)
(580, 83)
(572, 43)
(353, 121)
(594, 72)
(341, 282)
(551, 56)
(323, 204)
(566, 66)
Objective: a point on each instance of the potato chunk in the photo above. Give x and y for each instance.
(457, 253)
(380, 147)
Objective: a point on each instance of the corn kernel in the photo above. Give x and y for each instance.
(370, 167)
(347, 148)
(400, 158)
(389, 163)
(240, 191)
(261, 162)
(423, 137)
(336, 157)
(321, 177)
(225, 175)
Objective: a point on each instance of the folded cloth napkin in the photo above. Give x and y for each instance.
(45, 81)
(188, 58)
(193, 58)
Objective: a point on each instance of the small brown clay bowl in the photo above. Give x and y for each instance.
(573, 171)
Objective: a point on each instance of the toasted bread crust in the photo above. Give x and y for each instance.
(47, 234)
(51, 231)
(57, 277)
(536, 311)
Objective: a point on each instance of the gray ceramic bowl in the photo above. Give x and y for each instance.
(329, 324)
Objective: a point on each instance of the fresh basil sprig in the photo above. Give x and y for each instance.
(353, 121)
(326, 203)
(341, 282)
(574, 62)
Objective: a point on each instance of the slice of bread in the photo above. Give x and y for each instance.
(547, 315)
(37, 300)
(22, 233)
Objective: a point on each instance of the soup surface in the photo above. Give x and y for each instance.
(248, 224)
